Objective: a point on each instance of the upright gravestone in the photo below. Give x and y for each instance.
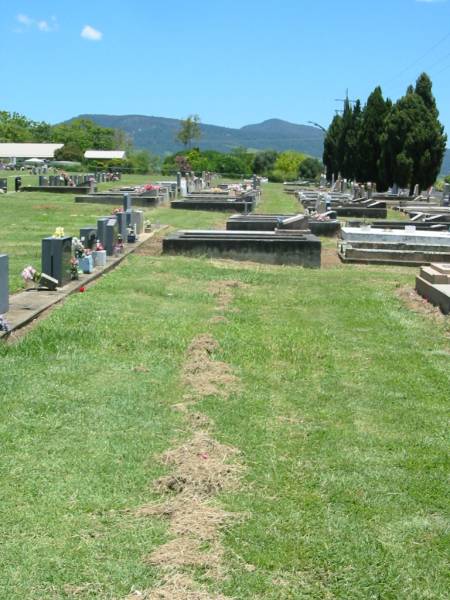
(56, 258)
(111, 231)
(446, 195)
(88, 236)
(122, 224)
(101, 230)
(4, 184)
(4, 289)
(127, 204)
(137, 219)
(179, 182)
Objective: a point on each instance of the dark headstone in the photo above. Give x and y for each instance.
(56, 257)
(4, 184)
(4, 289)
(17, 183)
(88, 235)
(101, 230)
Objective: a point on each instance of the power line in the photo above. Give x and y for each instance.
(417, 60)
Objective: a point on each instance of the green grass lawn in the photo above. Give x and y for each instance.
(340, 420)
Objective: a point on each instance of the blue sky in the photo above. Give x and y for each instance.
(232, 62)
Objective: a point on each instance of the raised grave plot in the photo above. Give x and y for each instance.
(383, 246)
(433, 284)
(279, 247)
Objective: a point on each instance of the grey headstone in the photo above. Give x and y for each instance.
(112, 231)
(4, 184)
(101, 230)
(137, 218)
(127, 202)
(122, 224)
(4, 287)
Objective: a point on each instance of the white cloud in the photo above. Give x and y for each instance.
(40, 24)
(43, 26)
(89, 33)
(25, 20)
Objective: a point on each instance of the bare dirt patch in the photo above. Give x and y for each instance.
(152, 247)
(218, 319)
(193, 518)
(204, 375)
(223, 291)
(176, 586)
(416, 303)
(203, 467)
(329, 258)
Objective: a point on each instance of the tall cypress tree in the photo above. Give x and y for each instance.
(372, 127)
(330, 148)
(413, 143)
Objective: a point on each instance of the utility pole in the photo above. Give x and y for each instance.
(344, 100)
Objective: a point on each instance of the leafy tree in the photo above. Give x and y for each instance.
(189, 130)
(264, 162)
(310, 168)
(287, 165)
(15, 128)
(70, 151)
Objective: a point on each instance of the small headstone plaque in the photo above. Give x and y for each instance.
(4, 288)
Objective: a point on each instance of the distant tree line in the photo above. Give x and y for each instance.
(386, 143)
(77, 136)
(277, 166)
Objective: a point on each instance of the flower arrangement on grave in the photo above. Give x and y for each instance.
(77, 248)
(116, 211)
(4, 325)
(74, 268)
(119, 247)
(147, 225)
(59, 232)
(148, 187)
(30, 275)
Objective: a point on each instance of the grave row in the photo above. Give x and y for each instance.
(100, 240)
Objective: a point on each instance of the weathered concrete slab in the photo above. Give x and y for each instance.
(291, 248)
(439, 295)
(57, 189)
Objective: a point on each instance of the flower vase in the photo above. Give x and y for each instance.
(86, 264)
(99, 258)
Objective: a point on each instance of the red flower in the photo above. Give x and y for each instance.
(82, 289)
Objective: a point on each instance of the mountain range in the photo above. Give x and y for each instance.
(158, 135)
